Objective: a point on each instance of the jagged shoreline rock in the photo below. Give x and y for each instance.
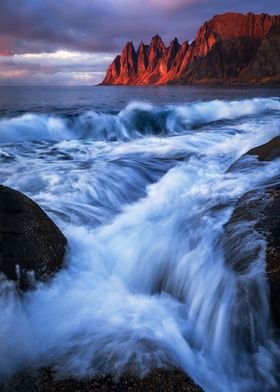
(267, 151)
(257, 213)
(158, 380)
(229, 49)
(30, 243)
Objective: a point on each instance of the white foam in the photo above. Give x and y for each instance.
(136, 120)
(146, 283)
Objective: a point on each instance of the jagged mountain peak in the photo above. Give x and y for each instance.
(227, 49)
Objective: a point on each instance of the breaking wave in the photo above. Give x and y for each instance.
(146, 283)
(136, 120)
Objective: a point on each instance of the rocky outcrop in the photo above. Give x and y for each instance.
(268, 151)
(257, 214)
(265, 66)
(230, 48)
(31, 245)
(157, 380)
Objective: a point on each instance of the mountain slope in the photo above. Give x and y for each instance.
(230, 48)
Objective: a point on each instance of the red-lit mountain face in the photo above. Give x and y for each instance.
(230, 48)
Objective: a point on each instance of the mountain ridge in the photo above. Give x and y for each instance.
(229, 48)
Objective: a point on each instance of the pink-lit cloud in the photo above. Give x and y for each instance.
(103, 26)
(175, 4)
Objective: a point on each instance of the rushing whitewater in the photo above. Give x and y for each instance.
(143, 196)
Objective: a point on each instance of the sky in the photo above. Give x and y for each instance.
(72, 42)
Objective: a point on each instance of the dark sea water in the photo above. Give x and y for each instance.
(76, 100)
(136, 178)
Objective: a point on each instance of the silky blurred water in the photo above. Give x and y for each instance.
(137, 180)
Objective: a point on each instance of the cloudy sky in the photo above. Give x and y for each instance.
(72, 42)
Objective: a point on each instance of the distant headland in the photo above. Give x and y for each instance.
(229, 49)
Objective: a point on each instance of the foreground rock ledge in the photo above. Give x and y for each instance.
(157, 380)
(29, 240)
(257, 214)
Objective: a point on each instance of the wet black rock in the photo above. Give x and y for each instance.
(158, 380)
(31, 245)
(257, 215)
(267, 151)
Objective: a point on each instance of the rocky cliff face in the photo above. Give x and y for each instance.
(230, 48)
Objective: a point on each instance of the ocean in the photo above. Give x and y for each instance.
(136, 178)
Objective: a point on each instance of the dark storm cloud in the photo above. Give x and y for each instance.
(97, 27)
(103, 25)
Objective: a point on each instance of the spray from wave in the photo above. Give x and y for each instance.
(136, 120)
(146, 283)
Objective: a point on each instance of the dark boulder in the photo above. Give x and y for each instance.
(257, 217)
(267, 151)
(30, 243)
